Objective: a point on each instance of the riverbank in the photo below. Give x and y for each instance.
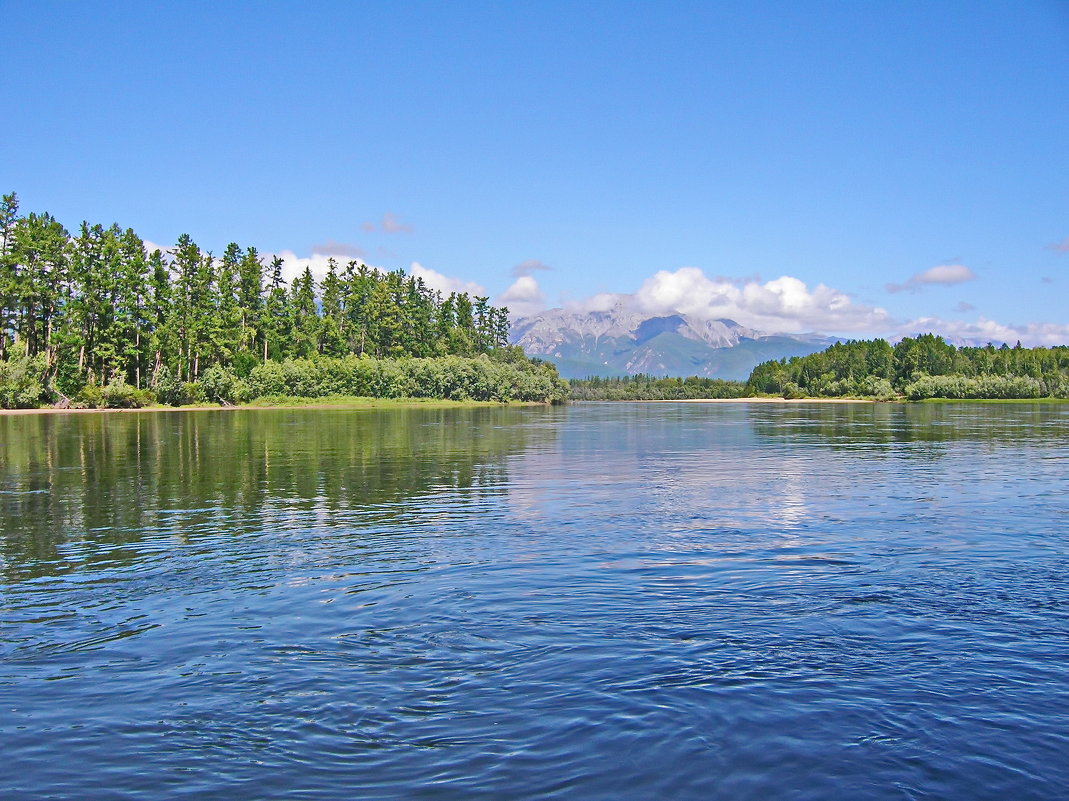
(355, 403)
(335, 402)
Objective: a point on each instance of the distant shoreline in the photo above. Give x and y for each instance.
(376, 403)
(357, 404)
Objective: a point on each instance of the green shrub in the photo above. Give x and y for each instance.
(89, 396)
(960, 387)
(448, 377)
(117, 394)
(192, 392)
(219, 385)
(22, 383)
(168, 389)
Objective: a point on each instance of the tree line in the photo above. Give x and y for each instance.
(96, 308)
(926, 366)
(643, 386)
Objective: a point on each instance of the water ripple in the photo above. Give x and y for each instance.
(597, 602)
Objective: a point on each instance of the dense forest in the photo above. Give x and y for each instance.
(96, 319)
(918, 368)
(650, 387)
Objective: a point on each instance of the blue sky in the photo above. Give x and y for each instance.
(855, 168)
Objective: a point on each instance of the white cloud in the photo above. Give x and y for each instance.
(941, 274)
(784, 304)
(444, 283)
(523, 297)
(982, 330)
(293, 265)
(945, 274)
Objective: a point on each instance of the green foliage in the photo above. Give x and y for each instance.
(448, 377)
(988, 386)
(219, 385)
(917, 368)
(167, 387)
(792, 391)
(192, 392)
(21, 384)
(648, 387)
(90, 396)
(117, 394)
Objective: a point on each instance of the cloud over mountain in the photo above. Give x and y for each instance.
(783, 304)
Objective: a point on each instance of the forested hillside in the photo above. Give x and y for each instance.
(918, 368)
(86, 314)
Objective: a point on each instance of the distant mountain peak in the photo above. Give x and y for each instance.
(623, 341)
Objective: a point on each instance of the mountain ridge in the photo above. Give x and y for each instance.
(623, 341)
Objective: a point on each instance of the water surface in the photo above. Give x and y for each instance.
(598, 601)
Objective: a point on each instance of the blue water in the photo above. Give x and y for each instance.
(601, 601)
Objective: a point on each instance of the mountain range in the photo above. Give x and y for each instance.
(623, 341)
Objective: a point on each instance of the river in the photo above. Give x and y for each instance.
(596, 601)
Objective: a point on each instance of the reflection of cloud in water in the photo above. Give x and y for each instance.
(660, 472)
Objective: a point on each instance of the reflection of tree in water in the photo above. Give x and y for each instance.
(844, 425)
(110, 481)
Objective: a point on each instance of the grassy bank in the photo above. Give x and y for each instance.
(284, 402)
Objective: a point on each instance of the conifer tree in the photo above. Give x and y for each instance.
(304, 330)
(250, 301)
(331, 341)
(276, 318)
(227, 329)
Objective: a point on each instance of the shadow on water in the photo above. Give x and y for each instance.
(111, 480)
